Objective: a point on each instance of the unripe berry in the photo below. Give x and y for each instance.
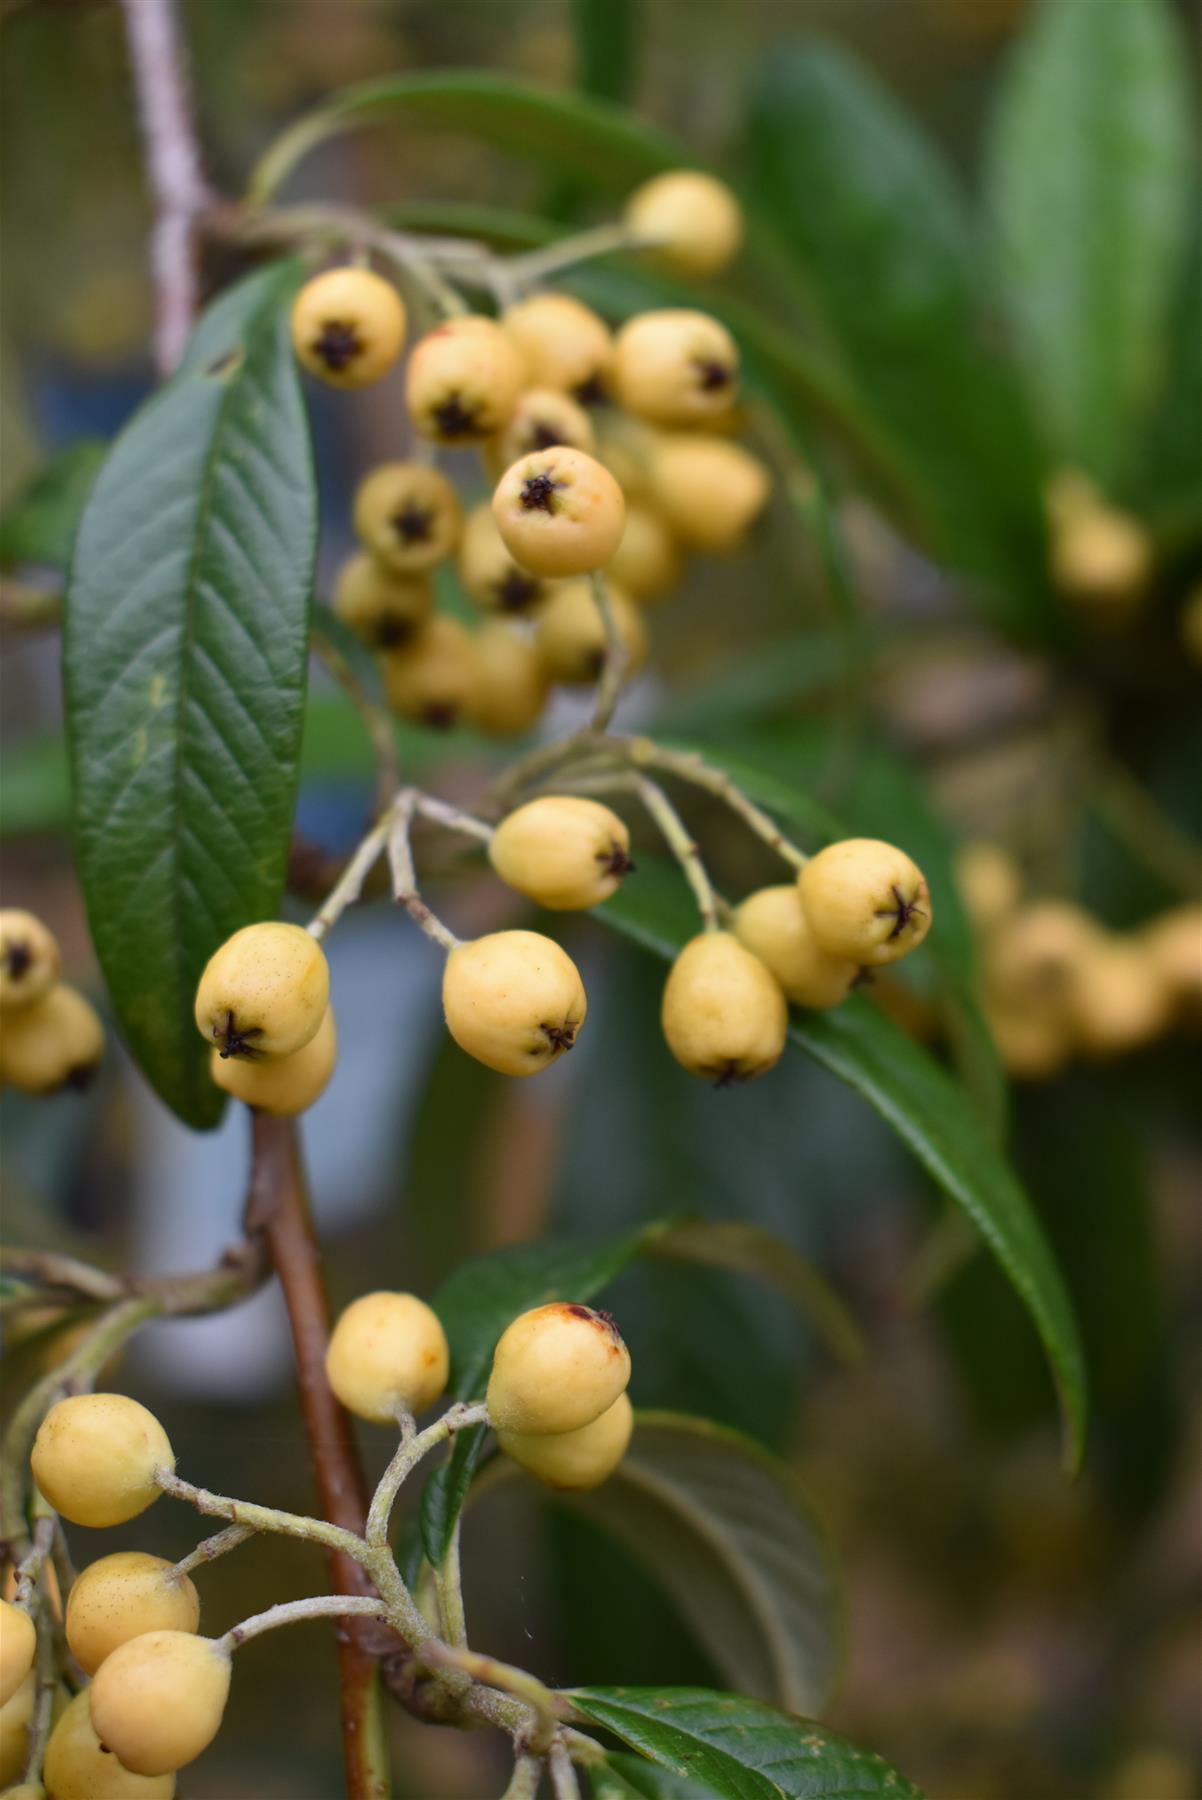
(464, 380)
(432, 679)
(542, 418)
(693, 220)
(380, 606)
(514, 1000)
(772, 924)
(157, 1701)
(556, 1368)
(723, 1014)
(489, 573)
(676, 367)
(29, 958)
(574, 1461)
(647, 563)
(513, 681)
(54, 1043)
(709, 490)
(1120, 999)
(387, 1355)
(1102, 558)
(264, 992)
(120, 1597)
(94, 1458)
(865, 900)
(563, 344)
(348, 326)
(15, 1715)
(570, 633)
(282, 1085)
(560, 512)
(80, 1767)
(408, 516)
(989, 882)
(18, 1643)
(562, 851)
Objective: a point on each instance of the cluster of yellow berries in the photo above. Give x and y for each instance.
(1058, 984)
(606, 452)
(50, 1036)
(263, 1004)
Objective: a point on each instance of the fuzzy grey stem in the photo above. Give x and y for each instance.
(290, 1612)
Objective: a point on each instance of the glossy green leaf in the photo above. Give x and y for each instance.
(741, 1749)
(1090, 174)
(626, 1777)
(39, 524)
(186, 656)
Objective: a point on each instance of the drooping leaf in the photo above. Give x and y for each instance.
(1090, 179)
(740, 1749)
(39, 524)
(186, 653)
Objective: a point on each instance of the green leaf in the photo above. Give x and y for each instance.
(1090, 172)
(630, 1778)
(605, 32)
(739, 1748)
(185, 655)
(39, 524)
(874, 222)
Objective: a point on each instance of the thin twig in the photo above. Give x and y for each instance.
(683, 846)
(686, 765)
(406, 1459)
(509, 1680)
(349, 885)
(524, 1782)
(210, 1548)
(563, 1775)
(404, 875)
(292, 1612)
(535, 265)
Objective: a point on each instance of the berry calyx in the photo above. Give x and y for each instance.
(514, 1000)
(264, 992)
(556, 1368)
(574, 1461)
(158, 1700)
(387, 1355)
(562, 851)
(121, 1596)
(95, 1455)
(865, 900)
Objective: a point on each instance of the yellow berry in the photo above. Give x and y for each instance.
(377, 604)
(865, 900)
(542, 418)
(95, 1456)
(489, 573)
(556, 1368)
(772, 924)
(560, 512)
(157, 1701)
(264, 992)
(513, 683)
(348, 326)
(989, 882)
(80, 1767)
(574, 1461)
(1033, 1046)
(120, 1597)
(432, 679)
(676, 367)
(28, 1790)
(408, 516)
(626, 446)
(693, 220)
(29, 958)
(18, 1642)
(1174, 942)
(283, 1085)
(1102, 558)
(15, 1715)
(514, 1000)
(723, 1014)
(387, 1355)
(56, 1042)
(1070, 494)
(647, 563)
(709, 490)
(464, 380)
(570, 633)
(1121, 1000)
(562, 851)
(563, 344)
(1035, 957)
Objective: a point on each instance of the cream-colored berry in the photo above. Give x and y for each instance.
(1102, 558)
(570, 633)
(1174, 942)
(378, 605)
(15, 1715)
(574, 1461)
(348, 327)
(556, 1368)
(158, 1700)
(1121, 999)
(54, 1043)
(562, 851)
(489, 573)
(264, 992)
(723, 1013)
(563, 344)
(514, 1000)
(542, 418)
(647, 563)
(626, 446)
(283, 1085)
(989, 882)
(18, 1642)
(772, 924)
(865, 900)
(408, 516)
(1032, 1046)
(464, 380)
(79, 1767)
(513, 683)
(29, 958)
(95, 1456)
(1035, 957)
(692, 219)
(709, 490)
(120, 1597)
(676, 367)
(431, 680)
(387, 1355)
(560, 512)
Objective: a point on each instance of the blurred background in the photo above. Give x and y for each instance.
(1009, 1632)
